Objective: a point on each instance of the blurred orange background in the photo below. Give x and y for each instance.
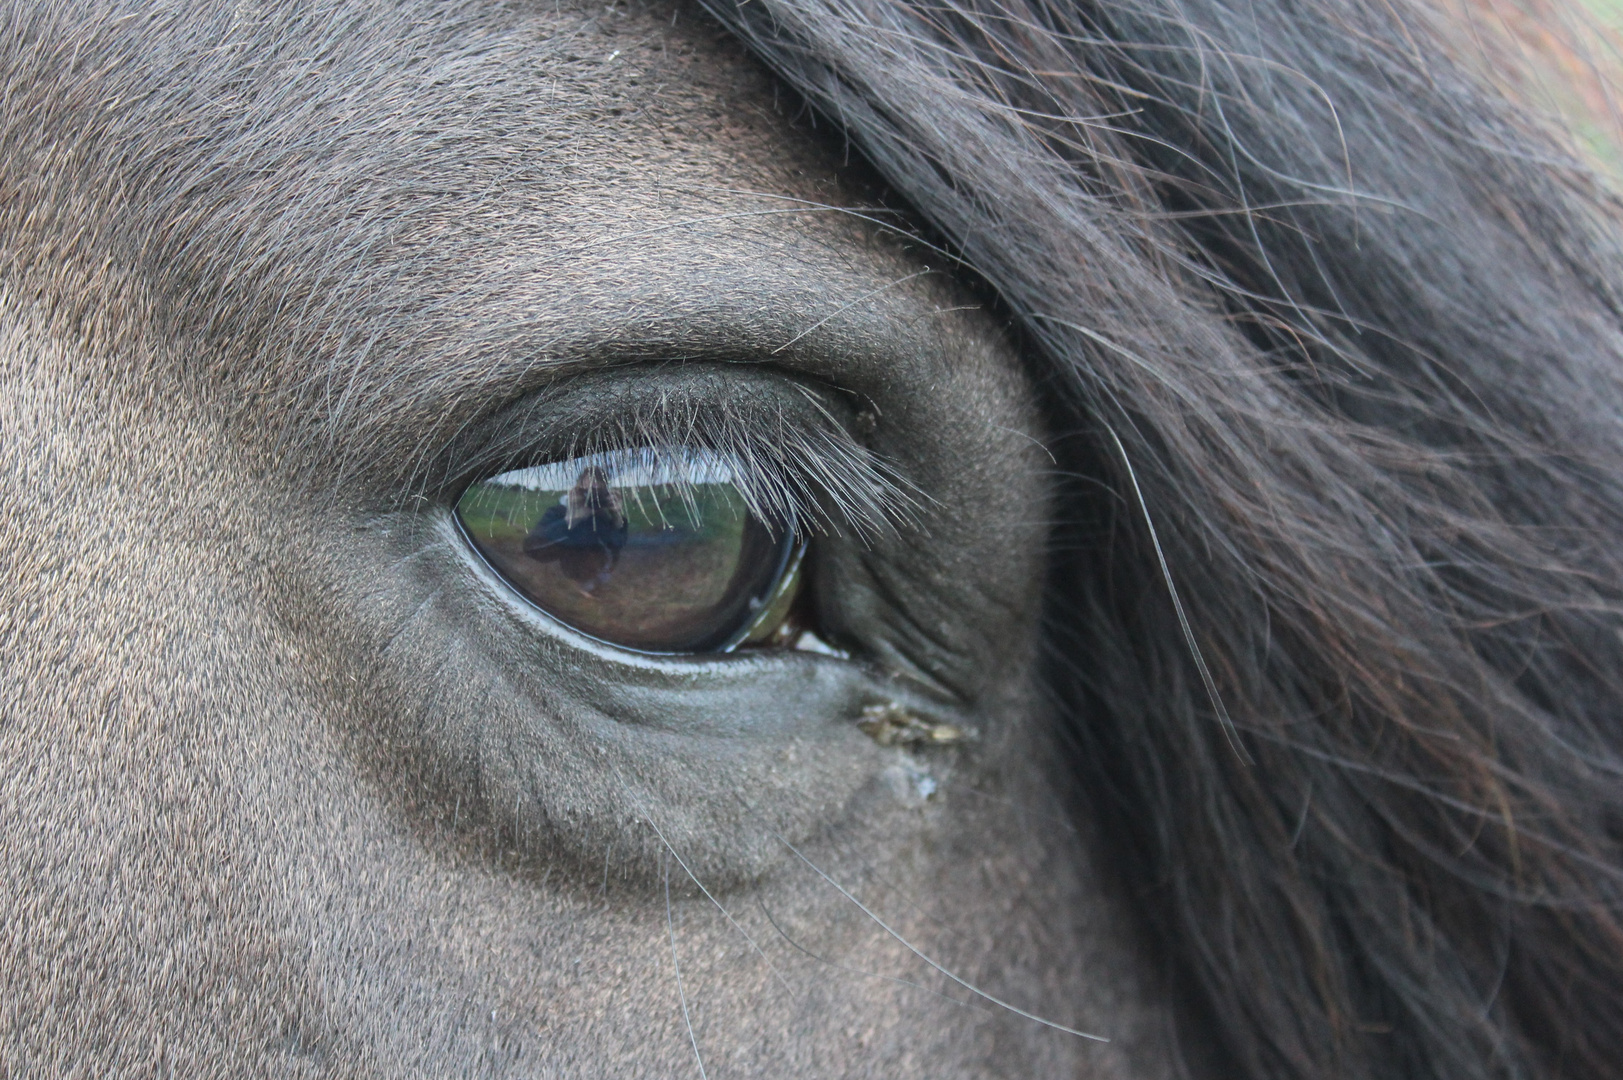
(1563, 58)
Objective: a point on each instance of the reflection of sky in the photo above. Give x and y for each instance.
(628, 468)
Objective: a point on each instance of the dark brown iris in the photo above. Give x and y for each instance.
(658, 553)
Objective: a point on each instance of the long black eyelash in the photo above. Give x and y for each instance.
(816, 477)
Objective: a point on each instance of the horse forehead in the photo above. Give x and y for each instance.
(368, 166)
(395, 114)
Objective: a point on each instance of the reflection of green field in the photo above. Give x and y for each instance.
(661, 514)
(681, 557)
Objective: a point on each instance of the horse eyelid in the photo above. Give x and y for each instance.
(806, 469)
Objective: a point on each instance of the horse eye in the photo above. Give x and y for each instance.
(649, 550)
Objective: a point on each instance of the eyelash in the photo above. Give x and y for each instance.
(813, 475)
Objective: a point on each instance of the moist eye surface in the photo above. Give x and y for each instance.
(653, 549)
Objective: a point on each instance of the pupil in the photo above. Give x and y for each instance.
(655, 551)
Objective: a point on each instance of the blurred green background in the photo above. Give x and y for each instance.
(1564, 58)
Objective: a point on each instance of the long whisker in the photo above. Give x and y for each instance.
(724, 912)
(910, 947)
(837, 312)
(837, 966)
(670, 924)
(871, 215)
(705, 219)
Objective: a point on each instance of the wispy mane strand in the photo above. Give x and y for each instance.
(1356, 325)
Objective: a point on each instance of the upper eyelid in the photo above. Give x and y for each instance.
(635, 470)
(799, 461)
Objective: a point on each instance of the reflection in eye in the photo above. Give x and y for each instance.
(650, 550)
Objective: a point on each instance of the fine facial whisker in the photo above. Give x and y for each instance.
(670, 924)
(837, 966)
(843, 308)
(916, 951)
(718, 905)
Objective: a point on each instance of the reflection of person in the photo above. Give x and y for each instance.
(584, 532)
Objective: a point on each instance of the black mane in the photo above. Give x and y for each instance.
(1342, 646)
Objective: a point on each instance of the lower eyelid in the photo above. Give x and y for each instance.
(563, 739)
